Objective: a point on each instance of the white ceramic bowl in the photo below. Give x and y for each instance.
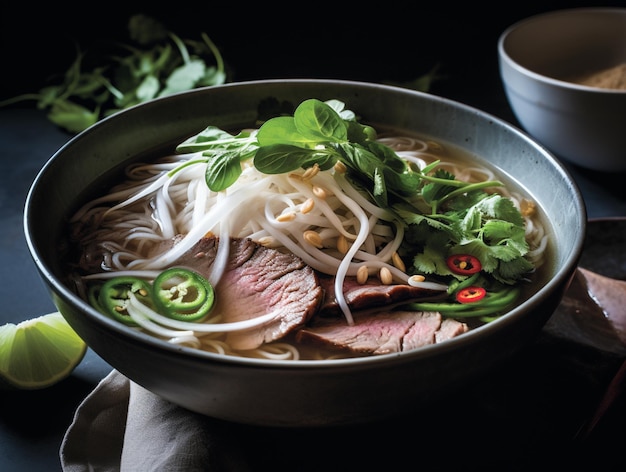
(300, 393)
(541, 59)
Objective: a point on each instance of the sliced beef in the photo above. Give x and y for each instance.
(371, 294)
(382, 332)
(450, 329)
(257, 281)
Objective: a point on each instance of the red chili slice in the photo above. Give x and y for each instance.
(470, 294)
(464, 264)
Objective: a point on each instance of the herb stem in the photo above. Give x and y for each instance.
(184, 53)
(186, 164)
(216, 53)
(19, 98)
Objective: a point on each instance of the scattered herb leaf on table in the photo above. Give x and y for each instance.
(158, 63)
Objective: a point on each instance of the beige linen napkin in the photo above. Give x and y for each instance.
(121, 426)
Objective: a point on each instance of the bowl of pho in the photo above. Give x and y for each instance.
(269, 252)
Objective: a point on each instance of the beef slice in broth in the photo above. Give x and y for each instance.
(258, 281)
(371, 294)
(382, 332)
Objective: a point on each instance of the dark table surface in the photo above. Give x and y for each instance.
(563, 383)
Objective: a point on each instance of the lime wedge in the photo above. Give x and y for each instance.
(39, 352)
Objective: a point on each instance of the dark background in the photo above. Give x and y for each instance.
(386, 41)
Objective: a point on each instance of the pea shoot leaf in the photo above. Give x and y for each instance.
(283, 158)
(319, 122)
(184, 77)
(223, 170)
(70, 115)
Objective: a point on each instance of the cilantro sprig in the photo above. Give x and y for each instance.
(487, 226)
(157, 63)
(443, 215)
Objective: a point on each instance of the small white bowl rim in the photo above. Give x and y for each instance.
(544, 78)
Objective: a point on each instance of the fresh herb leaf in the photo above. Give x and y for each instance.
(496, 206)
(159, 64)
(283, 130)
(224, 154)
(70, 115)
(223, 170)
(282, 158)
(185, 77)
(319, 122)
(432, 258)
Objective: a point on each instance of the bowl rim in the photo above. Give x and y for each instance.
(153, 343)
(505, 57)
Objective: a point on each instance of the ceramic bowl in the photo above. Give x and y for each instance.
(564, 74)
(300, 393)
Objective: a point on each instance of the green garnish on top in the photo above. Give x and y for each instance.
(443, 215)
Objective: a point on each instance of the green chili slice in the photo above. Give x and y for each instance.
(183, 294)
(114, 296)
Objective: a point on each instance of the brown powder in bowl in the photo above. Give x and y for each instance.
(611, 78)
